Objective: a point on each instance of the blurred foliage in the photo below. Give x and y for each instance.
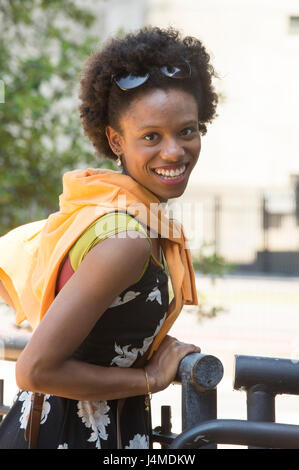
(212, 265)
(43, 46)
(209, 263)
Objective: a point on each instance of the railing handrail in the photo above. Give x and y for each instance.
(239, 432)
(199, 374)
(204, 371)
(12, 346)
(279, 375)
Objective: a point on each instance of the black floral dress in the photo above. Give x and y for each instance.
(120, 338)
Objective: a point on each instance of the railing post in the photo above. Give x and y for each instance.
(199, 375)
(260, 404)
(166, 424)
(263, 378)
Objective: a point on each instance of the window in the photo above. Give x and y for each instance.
(294, 24)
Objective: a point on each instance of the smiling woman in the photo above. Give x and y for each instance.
(94, 285)
(159, 149)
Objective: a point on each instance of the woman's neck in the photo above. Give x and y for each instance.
(125, 172)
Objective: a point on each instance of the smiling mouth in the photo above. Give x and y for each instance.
(171, 173)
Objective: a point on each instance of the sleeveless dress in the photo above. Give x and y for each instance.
(121, 336)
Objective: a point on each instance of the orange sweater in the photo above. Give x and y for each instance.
(31, 255)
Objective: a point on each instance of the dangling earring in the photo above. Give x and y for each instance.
(118, 160)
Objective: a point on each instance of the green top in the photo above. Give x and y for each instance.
(106, 226)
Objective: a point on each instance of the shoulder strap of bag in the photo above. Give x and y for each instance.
(33, 424)
(37, 401)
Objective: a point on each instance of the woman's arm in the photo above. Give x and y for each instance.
(46, 364)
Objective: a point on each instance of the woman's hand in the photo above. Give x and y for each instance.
(163, 365)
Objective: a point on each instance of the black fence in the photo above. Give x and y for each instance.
(199, 375)
(261, 378)
(248, 230)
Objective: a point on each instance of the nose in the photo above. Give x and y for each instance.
(171, 150)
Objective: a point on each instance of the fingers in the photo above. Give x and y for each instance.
(185, 349)
(164, 363)
(180, 344)
(174, 350)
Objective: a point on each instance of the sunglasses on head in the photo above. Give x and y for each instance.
(131, 81)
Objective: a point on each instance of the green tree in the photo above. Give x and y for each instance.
(209, 263)
(42, 48)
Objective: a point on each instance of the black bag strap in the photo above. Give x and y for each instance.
(33, 424)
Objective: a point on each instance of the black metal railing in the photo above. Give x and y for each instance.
(262, 378)
(199, 375)
(3, 409)
(12, 347)
(239, 432)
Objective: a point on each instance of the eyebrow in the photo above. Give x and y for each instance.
(186, 123)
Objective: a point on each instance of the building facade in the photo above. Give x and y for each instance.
(241, 193)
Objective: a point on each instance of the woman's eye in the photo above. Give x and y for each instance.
(150, 137)
(188, 131)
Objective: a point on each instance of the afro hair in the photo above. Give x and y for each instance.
(144, 51)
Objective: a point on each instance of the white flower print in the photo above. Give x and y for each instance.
(126, 358)
(155, 294)
(138, 442)
(130, 295)
(94, 416)
(46, 409)
(63, 446)
(25, 397)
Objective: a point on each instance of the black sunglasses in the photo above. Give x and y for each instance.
(131, 81)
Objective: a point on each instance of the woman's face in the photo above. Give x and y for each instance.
(159, 141)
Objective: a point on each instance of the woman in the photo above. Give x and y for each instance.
(146, 100)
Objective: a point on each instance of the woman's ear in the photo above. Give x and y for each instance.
(114, 139)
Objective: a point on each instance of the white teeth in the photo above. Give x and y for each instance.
(171, 173)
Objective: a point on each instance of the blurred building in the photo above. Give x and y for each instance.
(244, 182)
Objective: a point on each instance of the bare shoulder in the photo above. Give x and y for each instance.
(118, 261)
(126, 249)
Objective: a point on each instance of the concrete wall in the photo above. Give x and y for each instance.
(116, 15)
(254, 141)
(252, 146)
